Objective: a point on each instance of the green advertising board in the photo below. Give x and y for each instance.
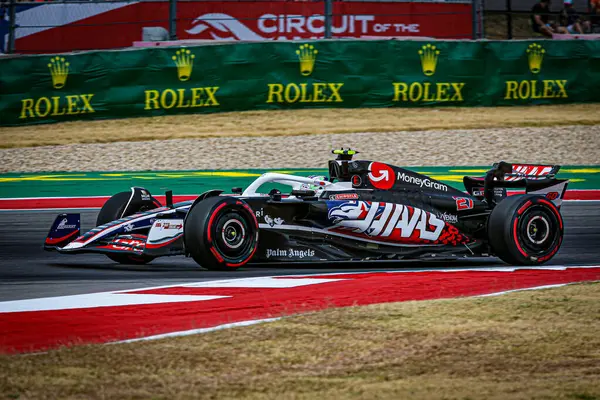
(279, 75)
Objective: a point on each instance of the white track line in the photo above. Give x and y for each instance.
(198, 331)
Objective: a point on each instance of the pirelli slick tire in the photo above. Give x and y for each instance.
(525, 230)
(113, 210)
(221, 233)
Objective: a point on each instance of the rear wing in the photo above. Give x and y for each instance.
(534, 178)
(529, 171)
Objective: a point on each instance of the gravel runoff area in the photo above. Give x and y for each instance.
(563, 145)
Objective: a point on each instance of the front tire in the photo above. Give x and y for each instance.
(221, 233)
(525, 230)
(113, 210)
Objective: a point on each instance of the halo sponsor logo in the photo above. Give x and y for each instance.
(535, 88)
(305, 92)
(189, 97)
(381, 176)
(416, 92)
(55, 106)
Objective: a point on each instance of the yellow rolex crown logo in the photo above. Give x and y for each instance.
(184, 60)
(535, 56)
(307, 54)
(59, 70)
(429, 55)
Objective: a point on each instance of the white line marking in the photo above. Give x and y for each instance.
(261, 282)
(523, 289)
(474, 269)
(94, 300)
(197, 331)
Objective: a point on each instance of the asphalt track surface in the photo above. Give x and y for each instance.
(27, 271)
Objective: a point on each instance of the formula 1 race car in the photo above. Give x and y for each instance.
(363, 211)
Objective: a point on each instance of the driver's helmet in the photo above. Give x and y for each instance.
(316, 188)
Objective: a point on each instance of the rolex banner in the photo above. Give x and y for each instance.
(281, 75)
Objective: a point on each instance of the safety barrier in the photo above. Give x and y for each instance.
(281, 75)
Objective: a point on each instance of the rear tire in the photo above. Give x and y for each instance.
(111, 211)
(221, 233)
(525, 230)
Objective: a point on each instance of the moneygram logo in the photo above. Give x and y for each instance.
(184, 60)
(381, 176)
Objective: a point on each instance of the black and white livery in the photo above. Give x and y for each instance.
(362, 211)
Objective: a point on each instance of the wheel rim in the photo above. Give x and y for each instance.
(233, 233)
(233, 236)
(538, 231)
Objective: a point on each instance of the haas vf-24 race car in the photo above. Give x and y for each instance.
(362, 211)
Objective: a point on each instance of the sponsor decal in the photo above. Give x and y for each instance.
(273, 221)
(162, 225)
(387, 221)
(58, 105)
(450, 218)
(356, 180)
(421, 182)
(293, 26)
(535, 88)
(63, 225)
(416, 92)
(145, 195)
(194, 97)
(128, 227)
(381, 176)
(127, 244)
(552, 195)
(302, 92)
(479, 192)
(463, 203)
(290, 253)
(344, 196)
